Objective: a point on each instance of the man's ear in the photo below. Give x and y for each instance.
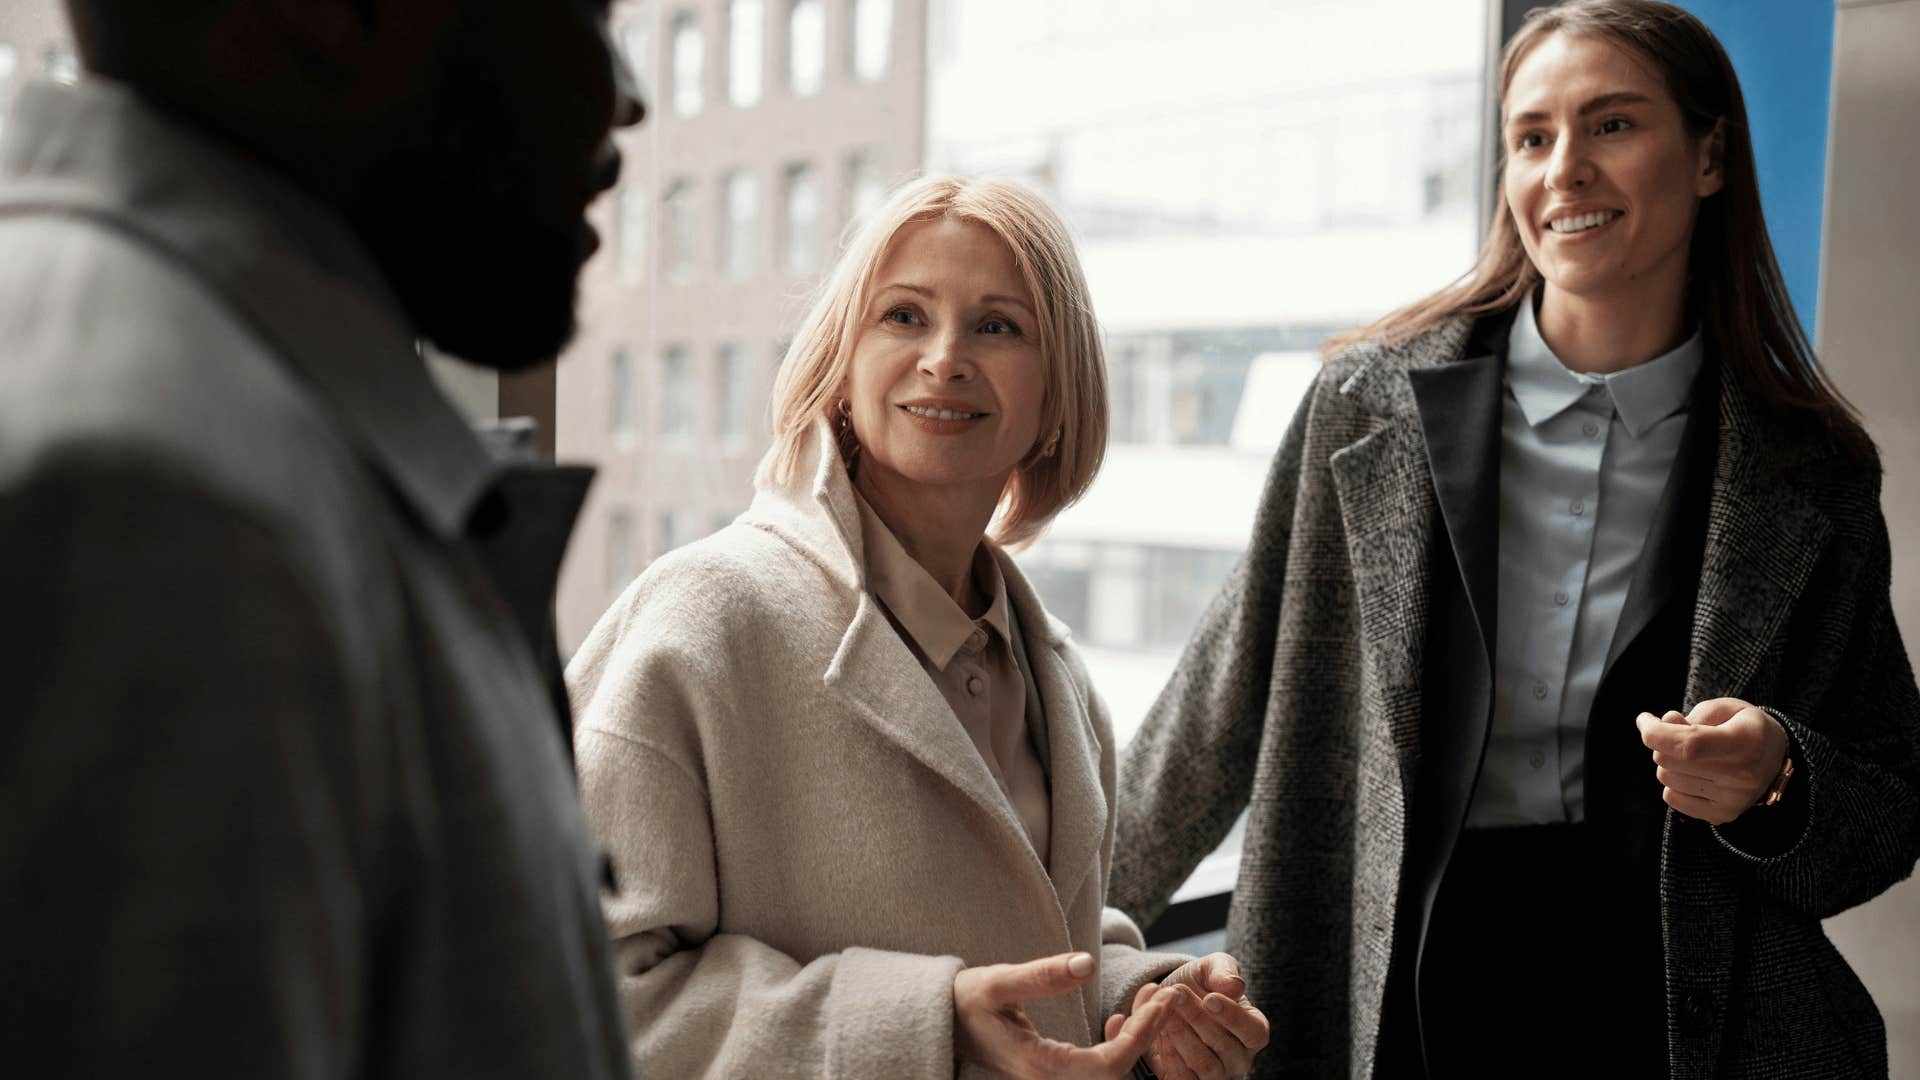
(1712, 174)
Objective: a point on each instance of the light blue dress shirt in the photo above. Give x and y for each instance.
(1583, 462)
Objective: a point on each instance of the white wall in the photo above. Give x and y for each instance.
(1870, 342)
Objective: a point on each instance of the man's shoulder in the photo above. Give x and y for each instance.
(123, 376)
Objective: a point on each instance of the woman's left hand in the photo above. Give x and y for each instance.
(1716, 761)
(1214, 1031)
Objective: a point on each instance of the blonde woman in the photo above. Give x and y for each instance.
(857, 788)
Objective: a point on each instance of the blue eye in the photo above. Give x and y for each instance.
(900, 316)
(998, 325)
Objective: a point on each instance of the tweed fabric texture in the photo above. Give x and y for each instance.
(1299, 699)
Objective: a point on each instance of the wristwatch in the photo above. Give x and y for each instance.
(1779, 785)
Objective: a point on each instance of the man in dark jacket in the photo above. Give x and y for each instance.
(287, 783)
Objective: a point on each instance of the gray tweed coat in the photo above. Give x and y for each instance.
(1300, 698)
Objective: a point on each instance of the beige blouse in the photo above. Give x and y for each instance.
(971, 662)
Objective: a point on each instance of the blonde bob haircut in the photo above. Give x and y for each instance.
(1075, 405)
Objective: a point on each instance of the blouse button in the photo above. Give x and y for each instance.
(975, 684)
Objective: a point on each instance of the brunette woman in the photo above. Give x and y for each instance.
(1560, 677)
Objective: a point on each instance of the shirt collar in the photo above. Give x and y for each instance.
(289, 265)
(924, 610)
(1643, 394)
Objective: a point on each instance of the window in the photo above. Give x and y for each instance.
(620, 569)
(622, 415)
(636, 222)
(740, 226)
(62, 65)
(800, 246)
(865, 190)
(675, 528)
(676, 394)
(872, 33)
(9, 59)
(733, 394)
(806, 46)
(680, 230)
(635, 38)
(746, 50)
(689, 65)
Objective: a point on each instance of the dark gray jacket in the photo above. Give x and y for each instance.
(286, 786)
(1305, 697)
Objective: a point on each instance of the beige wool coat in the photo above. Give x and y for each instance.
(807, 844)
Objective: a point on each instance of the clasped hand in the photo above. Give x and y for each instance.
(991, 1028)
(1214, 1030)
(1716, 761)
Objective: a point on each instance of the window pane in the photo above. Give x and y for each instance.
(872, 37)
(622, 413)
(635, 38)
(802, 242)
(9, 59)
(619, 550)
(866, 190)
(746, 47)
(680, 230)
(733, 379)
(62, 65)
(636, 223)
(740, 228)
(676, 393)
(806, 46)
(689, 65)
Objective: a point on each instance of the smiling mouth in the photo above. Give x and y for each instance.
(941, 414)
(1580, 223)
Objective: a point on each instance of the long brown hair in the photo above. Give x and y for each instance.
(1733, 280)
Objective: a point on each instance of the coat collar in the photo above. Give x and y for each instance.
(883, 683)
(288, 265)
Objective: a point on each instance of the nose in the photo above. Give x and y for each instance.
(1568, 169)
(945, 360)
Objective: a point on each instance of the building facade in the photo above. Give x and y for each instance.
(773, 126)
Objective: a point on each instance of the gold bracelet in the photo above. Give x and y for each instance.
(1779, 787)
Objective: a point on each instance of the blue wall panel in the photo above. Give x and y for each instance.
(1783, 52)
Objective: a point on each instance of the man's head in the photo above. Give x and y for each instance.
(462, 139)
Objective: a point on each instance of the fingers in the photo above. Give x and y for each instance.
(1700, 787)
(1245, 1023)
(1114, 1024)
(1179, 1039)
(1125, 1046)
(1226, 1055)
(1220, 973)
(1716, 711)
(1048, 976)
(1696, 807)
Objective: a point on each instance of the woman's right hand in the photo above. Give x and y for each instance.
(991, 1029)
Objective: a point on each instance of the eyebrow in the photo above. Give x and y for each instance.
(1593, 105)
(990, 298)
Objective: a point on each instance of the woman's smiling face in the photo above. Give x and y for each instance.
(947, 377)
(1602, 177)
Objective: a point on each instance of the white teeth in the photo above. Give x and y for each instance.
(942, 414)
(1583, 222)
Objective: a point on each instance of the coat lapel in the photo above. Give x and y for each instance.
(1074, 755)
(885, 686)
(1763, 540)
(1671, 558)
(1459, 406)
(1385, 489)
(872, 668)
